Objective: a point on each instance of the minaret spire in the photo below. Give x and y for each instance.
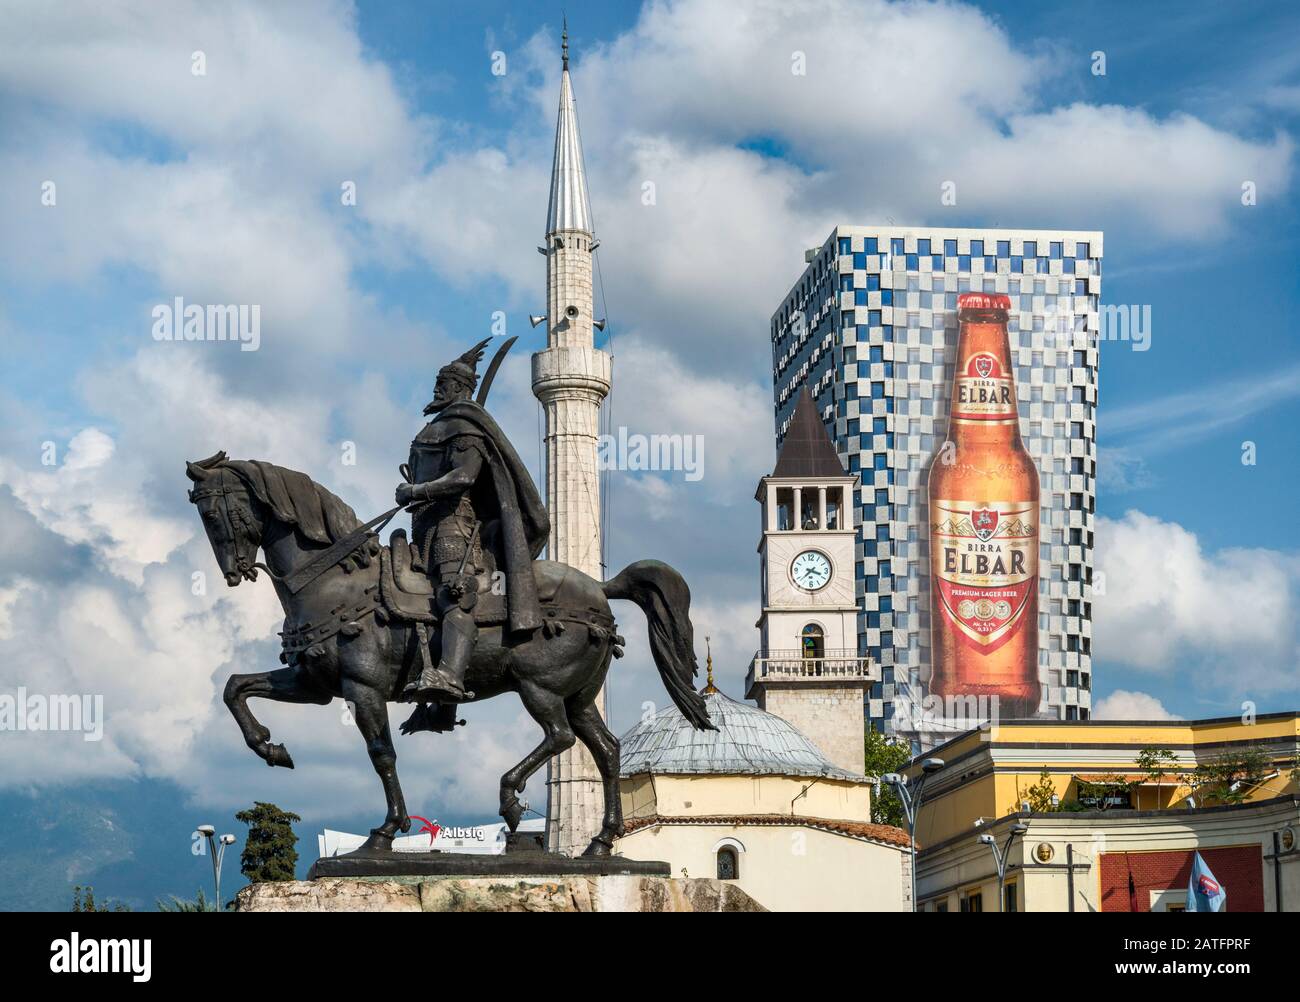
(570, 208)
(571, 377)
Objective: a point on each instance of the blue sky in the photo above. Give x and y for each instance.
(225, 188)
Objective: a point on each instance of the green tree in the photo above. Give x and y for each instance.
(83, 900)
(1229, 777)
(269, 851)
(1041, 793)
(199, 903)
(1096, 794)
(1155, 763)
(883, 755)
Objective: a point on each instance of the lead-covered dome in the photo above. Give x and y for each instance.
(748, 741)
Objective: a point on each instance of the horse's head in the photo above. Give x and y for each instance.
(231, 516)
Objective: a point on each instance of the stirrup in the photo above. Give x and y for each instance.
(437, 686)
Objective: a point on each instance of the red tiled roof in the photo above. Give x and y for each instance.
(1121, 777)
(854, 829)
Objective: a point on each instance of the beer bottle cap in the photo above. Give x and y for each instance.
(984, 302)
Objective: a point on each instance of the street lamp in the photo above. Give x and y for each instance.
(1000, 855)
(217, 850)
(911, 800)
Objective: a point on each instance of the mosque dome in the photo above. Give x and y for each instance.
(748, 741)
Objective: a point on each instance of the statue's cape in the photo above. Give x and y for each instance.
(525, 525)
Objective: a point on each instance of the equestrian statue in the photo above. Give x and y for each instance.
(461, 612)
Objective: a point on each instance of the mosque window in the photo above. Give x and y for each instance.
(728, 864)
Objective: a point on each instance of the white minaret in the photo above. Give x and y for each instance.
(571, 378)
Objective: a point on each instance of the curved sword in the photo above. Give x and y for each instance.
(491, 373)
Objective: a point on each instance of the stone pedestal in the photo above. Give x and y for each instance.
(572, 893)
(516, 863)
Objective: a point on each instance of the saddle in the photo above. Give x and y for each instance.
(409, 594)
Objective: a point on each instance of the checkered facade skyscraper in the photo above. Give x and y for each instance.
(871, 328)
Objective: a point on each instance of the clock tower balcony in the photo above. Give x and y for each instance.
(795, 667)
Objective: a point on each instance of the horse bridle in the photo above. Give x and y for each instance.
(240, 516)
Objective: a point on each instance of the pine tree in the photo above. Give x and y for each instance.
(83, 900)
(199, 903)
(269, 851)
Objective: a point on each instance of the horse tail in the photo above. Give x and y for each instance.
(665, 599)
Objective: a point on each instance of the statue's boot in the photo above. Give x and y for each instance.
(446, 683)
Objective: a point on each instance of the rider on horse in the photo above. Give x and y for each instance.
(463, 470)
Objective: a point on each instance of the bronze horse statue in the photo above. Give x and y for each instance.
(346, 636)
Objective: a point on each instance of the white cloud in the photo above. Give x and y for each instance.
(289, 80)
(897, 99)
(1175, 419)
(1120, 470)
(1125, 705)
(1223, 620)
(78, 502)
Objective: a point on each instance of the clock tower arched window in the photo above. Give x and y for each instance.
(814, 642)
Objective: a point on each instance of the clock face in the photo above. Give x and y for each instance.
(810, 570)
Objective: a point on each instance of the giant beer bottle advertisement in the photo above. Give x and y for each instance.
(983, 530)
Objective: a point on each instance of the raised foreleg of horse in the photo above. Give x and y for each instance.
(284, 685)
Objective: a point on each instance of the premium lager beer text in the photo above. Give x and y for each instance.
(983, 490)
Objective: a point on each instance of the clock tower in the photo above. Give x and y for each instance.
(807, 669)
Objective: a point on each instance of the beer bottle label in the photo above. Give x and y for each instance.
(984, 560)
(982, 390)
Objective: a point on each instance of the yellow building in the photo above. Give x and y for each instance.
(757, 802)
(1091, 786)
(1119, 860)
(988, 772)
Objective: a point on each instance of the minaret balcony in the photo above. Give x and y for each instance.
(795, 666)
(560, 369)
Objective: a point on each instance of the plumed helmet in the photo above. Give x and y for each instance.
(464, 370)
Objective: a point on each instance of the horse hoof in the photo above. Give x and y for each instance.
(513, 813)
(278, 755)
(598, 848)
(378, 841)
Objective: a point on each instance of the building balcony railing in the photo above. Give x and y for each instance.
(796, 665)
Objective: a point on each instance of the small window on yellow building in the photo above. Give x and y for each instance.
(728, 864)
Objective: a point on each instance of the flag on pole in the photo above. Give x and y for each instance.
(1204, 893)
